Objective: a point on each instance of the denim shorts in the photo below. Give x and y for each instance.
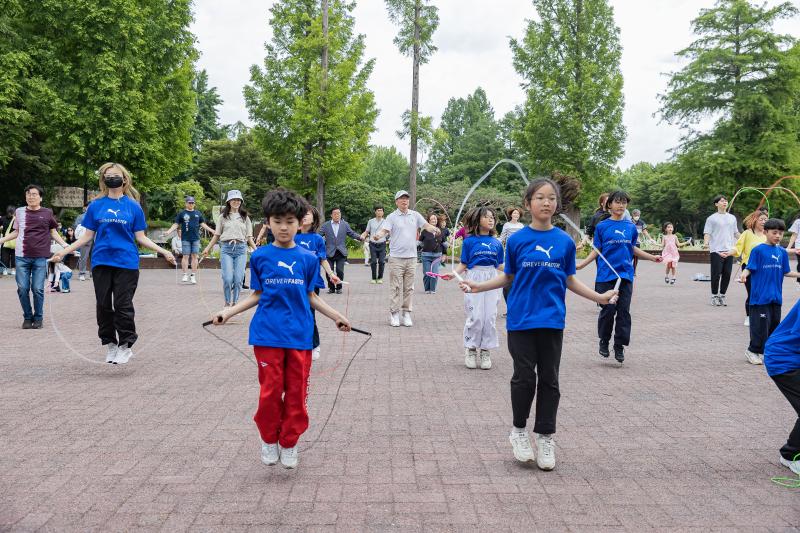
(192, 247)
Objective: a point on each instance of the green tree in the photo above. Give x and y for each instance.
(468, 143)
(747, 77)
(314, 122)
(385, 168)
(357, 200)
(417, 20)
(206, 121)
(221, 162)
(115, 85)
(15, 66)
(572, 118)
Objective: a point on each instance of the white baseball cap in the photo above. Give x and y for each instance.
(400, 194)
(234, 195)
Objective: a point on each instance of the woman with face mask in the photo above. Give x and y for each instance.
(115, 221)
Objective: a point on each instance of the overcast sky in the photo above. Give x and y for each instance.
(473, 52)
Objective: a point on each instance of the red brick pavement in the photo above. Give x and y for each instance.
(683, 436)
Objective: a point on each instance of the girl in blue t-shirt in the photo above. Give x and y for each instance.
(115, 222)
(539, 268)
(481, 257)
(283, 277)
(616, 238)
(308, 238)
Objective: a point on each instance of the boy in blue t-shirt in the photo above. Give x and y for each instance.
(283, 277)
(766, 267)
(782, 360)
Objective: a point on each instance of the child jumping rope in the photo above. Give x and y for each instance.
(616, 239)
(669, 254)
(539, 268)
(481, 257)
(312, 241)
(283, 281)
(749, 239)
(767, 265)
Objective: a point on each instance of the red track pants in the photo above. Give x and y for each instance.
(282, 415)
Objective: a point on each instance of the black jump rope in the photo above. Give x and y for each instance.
(338, 388)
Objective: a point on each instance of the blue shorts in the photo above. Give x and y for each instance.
(190, 247)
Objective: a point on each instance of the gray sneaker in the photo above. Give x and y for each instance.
(470, 357)
(722, 301)
(715, 300)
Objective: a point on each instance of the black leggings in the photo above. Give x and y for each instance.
(532, 350)
(789, 385)
(720, 273)
(114, 289)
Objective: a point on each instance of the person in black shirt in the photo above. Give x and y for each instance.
(431, 252)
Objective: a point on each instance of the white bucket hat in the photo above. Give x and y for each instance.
(234, 195)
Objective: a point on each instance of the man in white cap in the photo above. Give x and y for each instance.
(402, 226)
(188, 223)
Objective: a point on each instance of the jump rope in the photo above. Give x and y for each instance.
(309, 444)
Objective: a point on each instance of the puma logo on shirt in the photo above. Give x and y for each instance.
(486, 244)
(307, 244)
(287, 267)
(775, 257)
(621, 232)
(546, 252)
(115, 213)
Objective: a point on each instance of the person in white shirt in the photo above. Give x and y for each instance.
(402, 226)
(719, 236)
(792, 246)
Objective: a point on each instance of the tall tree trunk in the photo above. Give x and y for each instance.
(320, 173)
(412, 178)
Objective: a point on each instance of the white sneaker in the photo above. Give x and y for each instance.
(486, 361)
(315, 354)
(794, 466)
(722, 301)
(752, 358)
(111, 352)
(747, 321)
(185, 278)
(269, 453)
(394, 320)
(546, 452)
(289, 457)
(521, 444)
(123, 355)
(81, 278)
(407, 319)
(192, 280)
(469, 358)
(715, 300)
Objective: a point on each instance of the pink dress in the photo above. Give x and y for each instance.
(670, 251)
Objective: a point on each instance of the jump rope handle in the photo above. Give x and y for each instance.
(207, 323)
(460, 279)
(367, 333)
(614, 298)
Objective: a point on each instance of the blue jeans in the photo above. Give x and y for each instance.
(65, 277)
(31, 273)
(232, 258)
(427, 266)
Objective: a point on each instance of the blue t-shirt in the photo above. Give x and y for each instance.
(314, 243)
(284, 276)
(115, 222)
(616, 239)
(541, 262)
(767, 265)
(190, 224)
(482, 250)
(782, 351)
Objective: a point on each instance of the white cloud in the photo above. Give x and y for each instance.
(473, 51)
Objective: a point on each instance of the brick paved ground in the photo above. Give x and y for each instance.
(683, 436)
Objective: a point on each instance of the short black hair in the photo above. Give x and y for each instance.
(618, 195)
(37, 187)
(337, 208)
(377, 207)
(282, 202)
(774, 223)
(719, 197)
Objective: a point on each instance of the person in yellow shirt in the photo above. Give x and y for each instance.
(749, 239)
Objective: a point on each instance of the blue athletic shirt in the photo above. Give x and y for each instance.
(190, 224)
(314, 243)
(284, 276)
(541, 262)
(767, 265)
(482, 250)
(115, 222)
(782, 351)
(616, 239)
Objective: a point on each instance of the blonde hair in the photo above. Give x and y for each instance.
(127, 181)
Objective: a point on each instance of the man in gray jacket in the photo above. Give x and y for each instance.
(335, 232)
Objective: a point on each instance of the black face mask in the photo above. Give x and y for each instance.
(112, 182)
